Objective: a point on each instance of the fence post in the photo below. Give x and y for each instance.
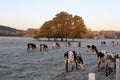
(117, 69)
(91, 76)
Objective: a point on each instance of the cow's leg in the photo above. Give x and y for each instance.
(66, 66)
(40, 48)
(87, 49)
(76, 65)
(72, 66)
(110, 70)
(114, 68)
(99, 65)
(107, 69)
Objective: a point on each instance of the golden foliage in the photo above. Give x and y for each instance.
(62, 25)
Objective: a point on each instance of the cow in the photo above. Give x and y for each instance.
(90, 48)
(110, 62)
(55, 45)
(100, 58)
(31, 46)
(103, 43)
(68, 44)
(79, 44)
(113, 43)
(73, 57)
(43, 47)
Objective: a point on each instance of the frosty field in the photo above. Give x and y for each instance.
(16, 63)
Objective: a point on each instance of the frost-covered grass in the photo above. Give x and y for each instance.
(18, 64)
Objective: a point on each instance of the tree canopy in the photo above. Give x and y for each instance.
(64, 25)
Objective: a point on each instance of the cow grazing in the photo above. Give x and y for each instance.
(79, 44)
(108, 60)
(68, 44)
(73, 57)
(113, 43)
(117, 56)
(43, 47)
(100, 58)
(91, 48)
(118, 43)
(31, 46)
(103, 43)
(55, 45)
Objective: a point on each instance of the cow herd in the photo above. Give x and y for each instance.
(104, 58)
(43, 47)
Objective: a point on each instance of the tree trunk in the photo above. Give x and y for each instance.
(73, 39)
(66, 38)
(48, 38)
(61, 38)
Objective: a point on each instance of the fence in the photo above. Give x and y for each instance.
(91, 76)
(117, 69)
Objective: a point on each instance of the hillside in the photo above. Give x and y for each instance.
(6, 28)
(9, 31)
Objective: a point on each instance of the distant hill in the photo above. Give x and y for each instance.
(9, 31)
(7, 28)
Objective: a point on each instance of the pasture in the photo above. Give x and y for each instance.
(16, 63)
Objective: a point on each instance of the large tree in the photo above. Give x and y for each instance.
(64, 25)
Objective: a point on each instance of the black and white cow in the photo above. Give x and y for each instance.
(100, 58)
(113, 43)
(91, 48)
(79, 44)
(103, 43)
(110, 62)
(55, 45)
(43, 47)
(73, 57)
(31, 46)
(68, 44)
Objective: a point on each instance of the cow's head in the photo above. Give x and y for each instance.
(83, 66)
(80, 61)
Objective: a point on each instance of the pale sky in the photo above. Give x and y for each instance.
(97, 14)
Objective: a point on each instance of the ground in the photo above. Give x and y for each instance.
(16, 63)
